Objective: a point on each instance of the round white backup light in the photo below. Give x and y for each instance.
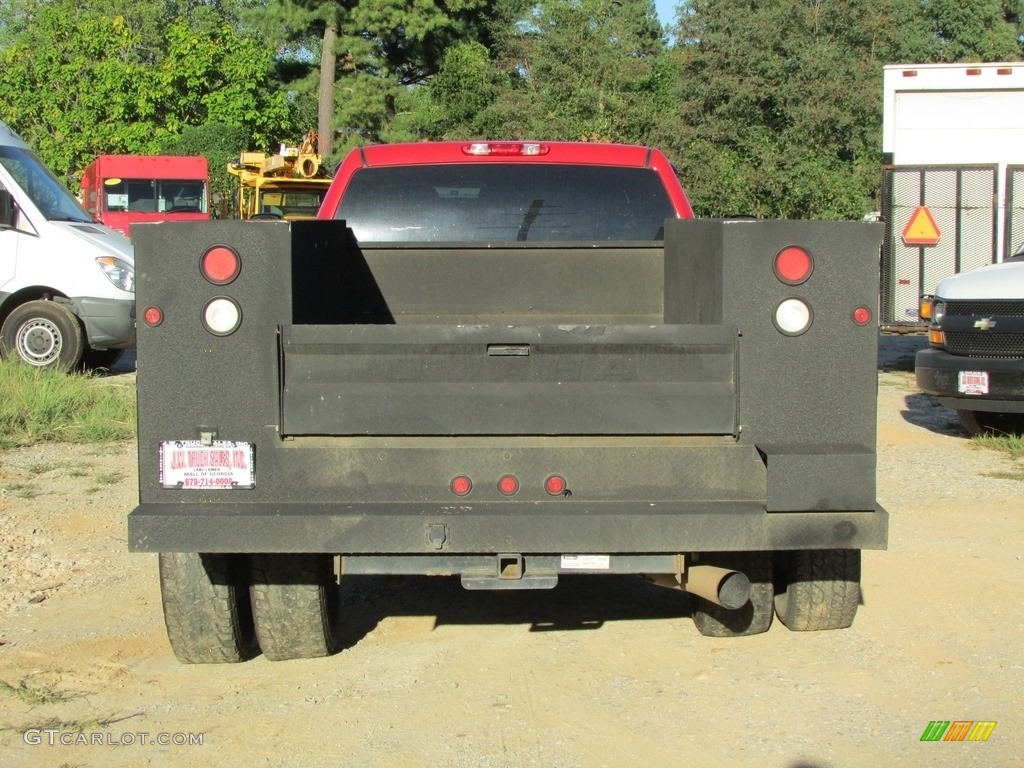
(793, 317)
(222, 316)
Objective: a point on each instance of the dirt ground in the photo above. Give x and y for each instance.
(601, 671)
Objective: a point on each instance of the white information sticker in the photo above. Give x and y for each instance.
(222, 465)
(586, 562)
(972, 382)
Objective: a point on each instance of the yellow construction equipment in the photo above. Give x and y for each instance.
(289, 185)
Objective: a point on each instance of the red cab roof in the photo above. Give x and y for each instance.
(482, 151)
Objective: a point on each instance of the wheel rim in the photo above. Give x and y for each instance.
(39, 342)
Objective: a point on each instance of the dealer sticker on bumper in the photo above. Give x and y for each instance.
(972, 382)
(221, 465)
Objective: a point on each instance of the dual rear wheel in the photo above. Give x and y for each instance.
(227, 608)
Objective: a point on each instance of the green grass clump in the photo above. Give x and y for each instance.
(35, 695)
(41, 405)
(1011, 444)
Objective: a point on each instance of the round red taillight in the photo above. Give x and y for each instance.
(508, 485)
(862, 315)
(461, 485)
(220, 265)
(153, 316)
(555, 485)
(793, 265)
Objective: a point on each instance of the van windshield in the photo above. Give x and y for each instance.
(482, 202)
(47, 193)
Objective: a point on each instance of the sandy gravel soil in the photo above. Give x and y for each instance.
(599, 672)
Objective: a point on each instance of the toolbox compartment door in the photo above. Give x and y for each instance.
(508, 380)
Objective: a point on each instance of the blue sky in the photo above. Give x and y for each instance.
(666, 10)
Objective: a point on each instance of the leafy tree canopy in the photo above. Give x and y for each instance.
(108, 90)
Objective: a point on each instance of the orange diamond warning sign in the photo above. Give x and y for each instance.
(921, 229)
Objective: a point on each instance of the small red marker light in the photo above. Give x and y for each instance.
(793, 265)
(862, 315)
(555, 485)
(461, 485)
(220, 265)
(153, 316)
(508, 485)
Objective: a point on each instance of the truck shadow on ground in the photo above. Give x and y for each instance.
(577, 603)
(924, 411)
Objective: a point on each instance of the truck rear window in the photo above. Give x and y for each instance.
(505, 202)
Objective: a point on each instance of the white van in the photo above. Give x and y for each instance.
(67, 284)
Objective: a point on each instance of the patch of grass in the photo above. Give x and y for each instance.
(35, 696)
(21, 490)
(1011, 444)
(68, 726)
(1017, 475)
(40, 405)
(108, 479)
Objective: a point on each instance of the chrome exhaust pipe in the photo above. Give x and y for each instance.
(721, 586)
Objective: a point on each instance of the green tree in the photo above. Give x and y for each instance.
(779, 104)
(980, 30)
(367, 58)
(219, 144)
(109, 90)
(559, 69)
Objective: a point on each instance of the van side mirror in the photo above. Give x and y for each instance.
(8, 211)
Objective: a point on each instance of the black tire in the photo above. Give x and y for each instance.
(44, 334)
(295, 605)
(991, 423)
(753, 618)
(817, 589)
(206, 607)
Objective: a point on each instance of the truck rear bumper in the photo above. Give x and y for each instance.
(937, 373)
(451, 529)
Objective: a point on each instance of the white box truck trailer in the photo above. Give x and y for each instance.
(953, 177)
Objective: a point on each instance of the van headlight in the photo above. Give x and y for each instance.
(120, 273)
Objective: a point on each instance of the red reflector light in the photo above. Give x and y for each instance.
(793, 265)
(862, 315)
(153, 316)
(974, 71)
(526, 149)
(508, 485)
(461, 485)
(555, 485)
(220, 265)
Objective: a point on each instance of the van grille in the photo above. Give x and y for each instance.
(985, 344)
(1012, 308)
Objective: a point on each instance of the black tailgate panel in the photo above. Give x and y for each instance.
(508, 380)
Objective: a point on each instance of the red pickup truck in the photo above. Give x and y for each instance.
(505, 363)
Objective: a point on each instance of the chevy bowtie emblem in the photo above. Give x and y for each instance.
(985, 324)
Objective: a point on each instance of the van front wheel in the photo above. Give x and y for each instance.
(44, 334)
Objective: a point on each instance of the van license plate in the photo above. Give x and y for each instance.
(221, 465)
(972, 382)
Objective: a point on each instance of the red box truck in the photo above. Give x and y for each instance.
(120, 190)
